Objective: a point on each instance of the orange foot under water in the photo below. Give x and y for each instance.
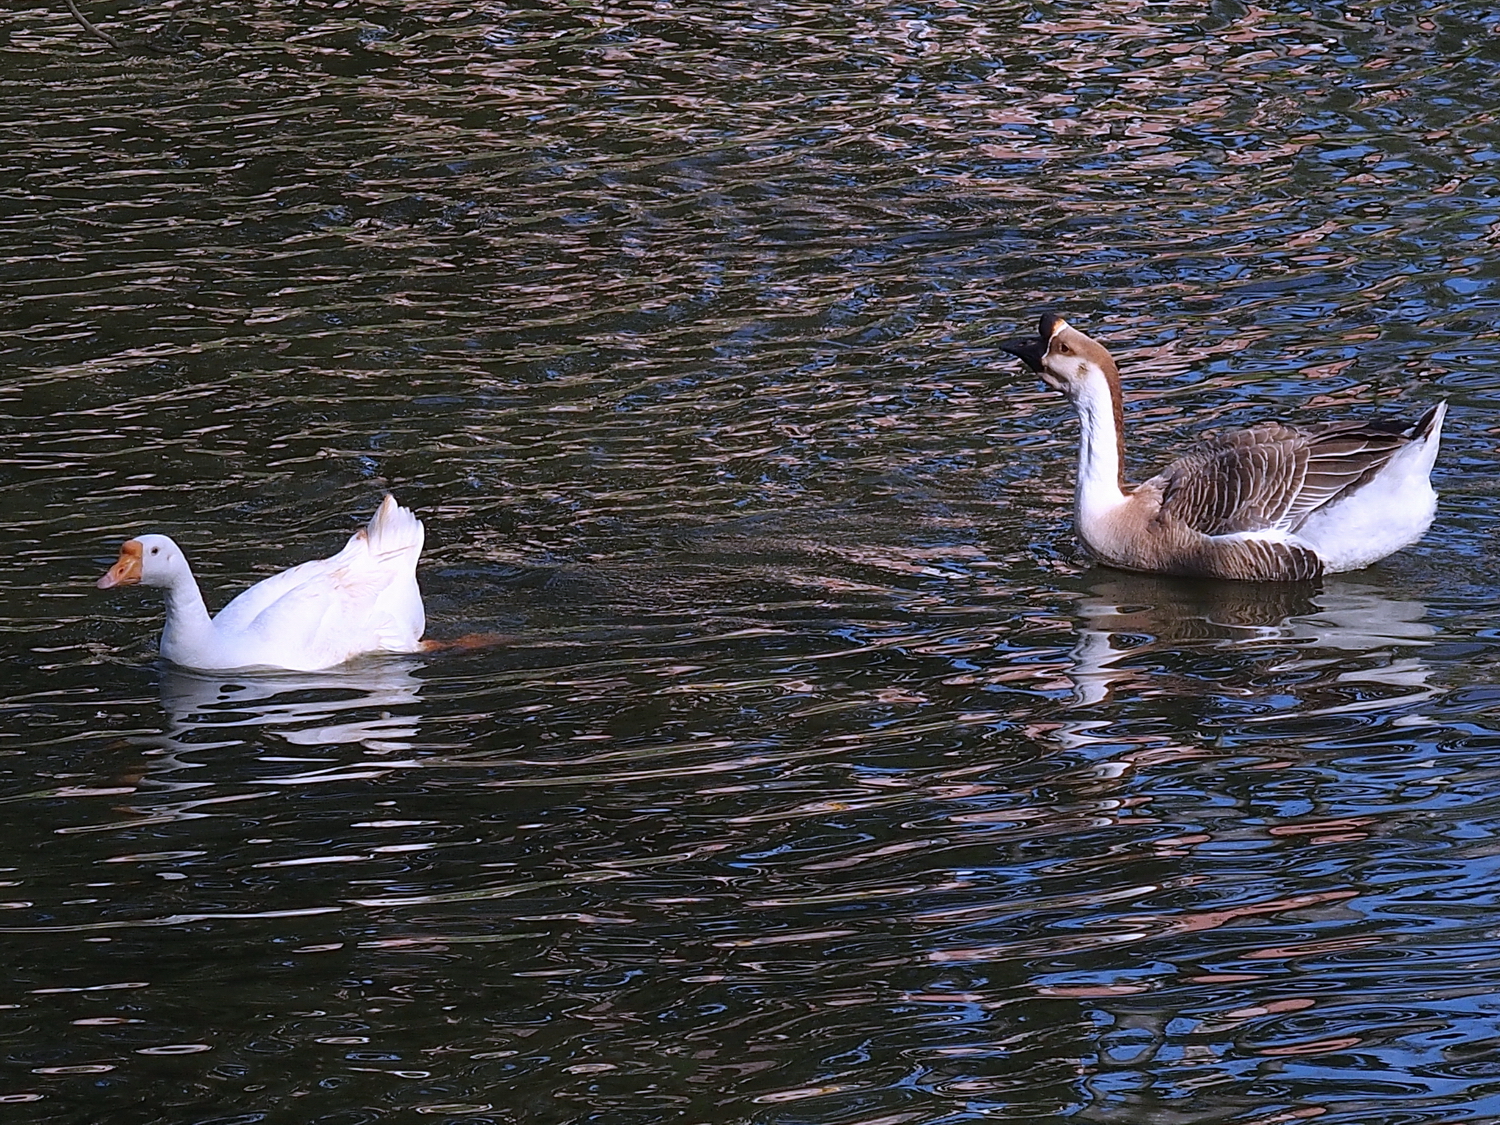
(467, 643)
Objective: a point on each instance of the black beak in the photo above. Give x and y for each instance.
(1029, 352)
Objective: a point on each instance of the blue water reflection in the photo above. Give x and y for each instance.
(819, 779)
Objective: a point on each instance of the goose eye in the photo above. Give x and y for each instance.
(156, 550)
(1064, 349)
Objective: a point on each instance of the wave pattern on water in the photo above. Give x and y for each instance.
(818, 779)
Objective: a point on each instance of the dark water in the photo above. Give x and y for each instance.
(819, 780)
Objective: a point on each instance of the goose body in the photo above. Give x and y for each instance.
(317, 615)
(1272, 503)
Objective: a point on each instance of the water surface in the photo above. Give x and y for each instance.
(819, 779)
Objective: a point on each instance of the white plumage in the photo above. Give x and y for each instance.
(317, 615)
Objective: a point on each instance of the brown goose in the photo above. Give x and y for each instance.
(1272, 503)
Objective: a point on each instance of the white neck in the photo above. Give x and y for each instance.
(1099, 467)
(188, 627)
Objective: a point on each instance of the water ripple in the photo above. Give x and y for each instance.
(818, 778)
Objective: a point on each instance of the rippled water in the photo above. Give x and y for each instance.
(818, 780)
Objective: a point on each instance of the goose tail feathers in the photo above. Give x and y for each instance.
(1430, 423)
(394, 530)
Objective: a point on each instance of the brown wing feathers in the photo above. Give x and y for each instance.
(1274, 476)
(1243, 481)
(1341, 458)
(1257, 560)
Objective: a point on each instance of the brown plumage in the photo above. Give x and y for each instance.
(1269, 503)
(1274, 475)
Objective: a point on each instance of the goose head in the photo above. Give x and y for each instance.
(1064, 357)
(147, 560)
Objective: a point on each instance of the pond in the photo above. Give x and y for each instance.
(814, 776)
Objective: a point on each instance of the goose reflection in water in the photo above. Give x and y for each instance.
(275, 717)
(1322, 628)
(368, 705)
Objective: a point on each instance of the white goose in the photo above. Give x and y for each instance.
(362, 600)
(1267, 504)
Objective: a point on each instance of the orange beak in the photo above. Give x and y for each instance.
(127, 569)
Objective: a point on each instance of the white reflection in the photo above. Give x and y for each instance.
(371, 705)
(368, 705)
(1131, 616)
(1356, 618)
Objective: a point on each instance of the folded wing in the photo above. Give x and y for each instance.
(1271, 477)
(363, 599)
